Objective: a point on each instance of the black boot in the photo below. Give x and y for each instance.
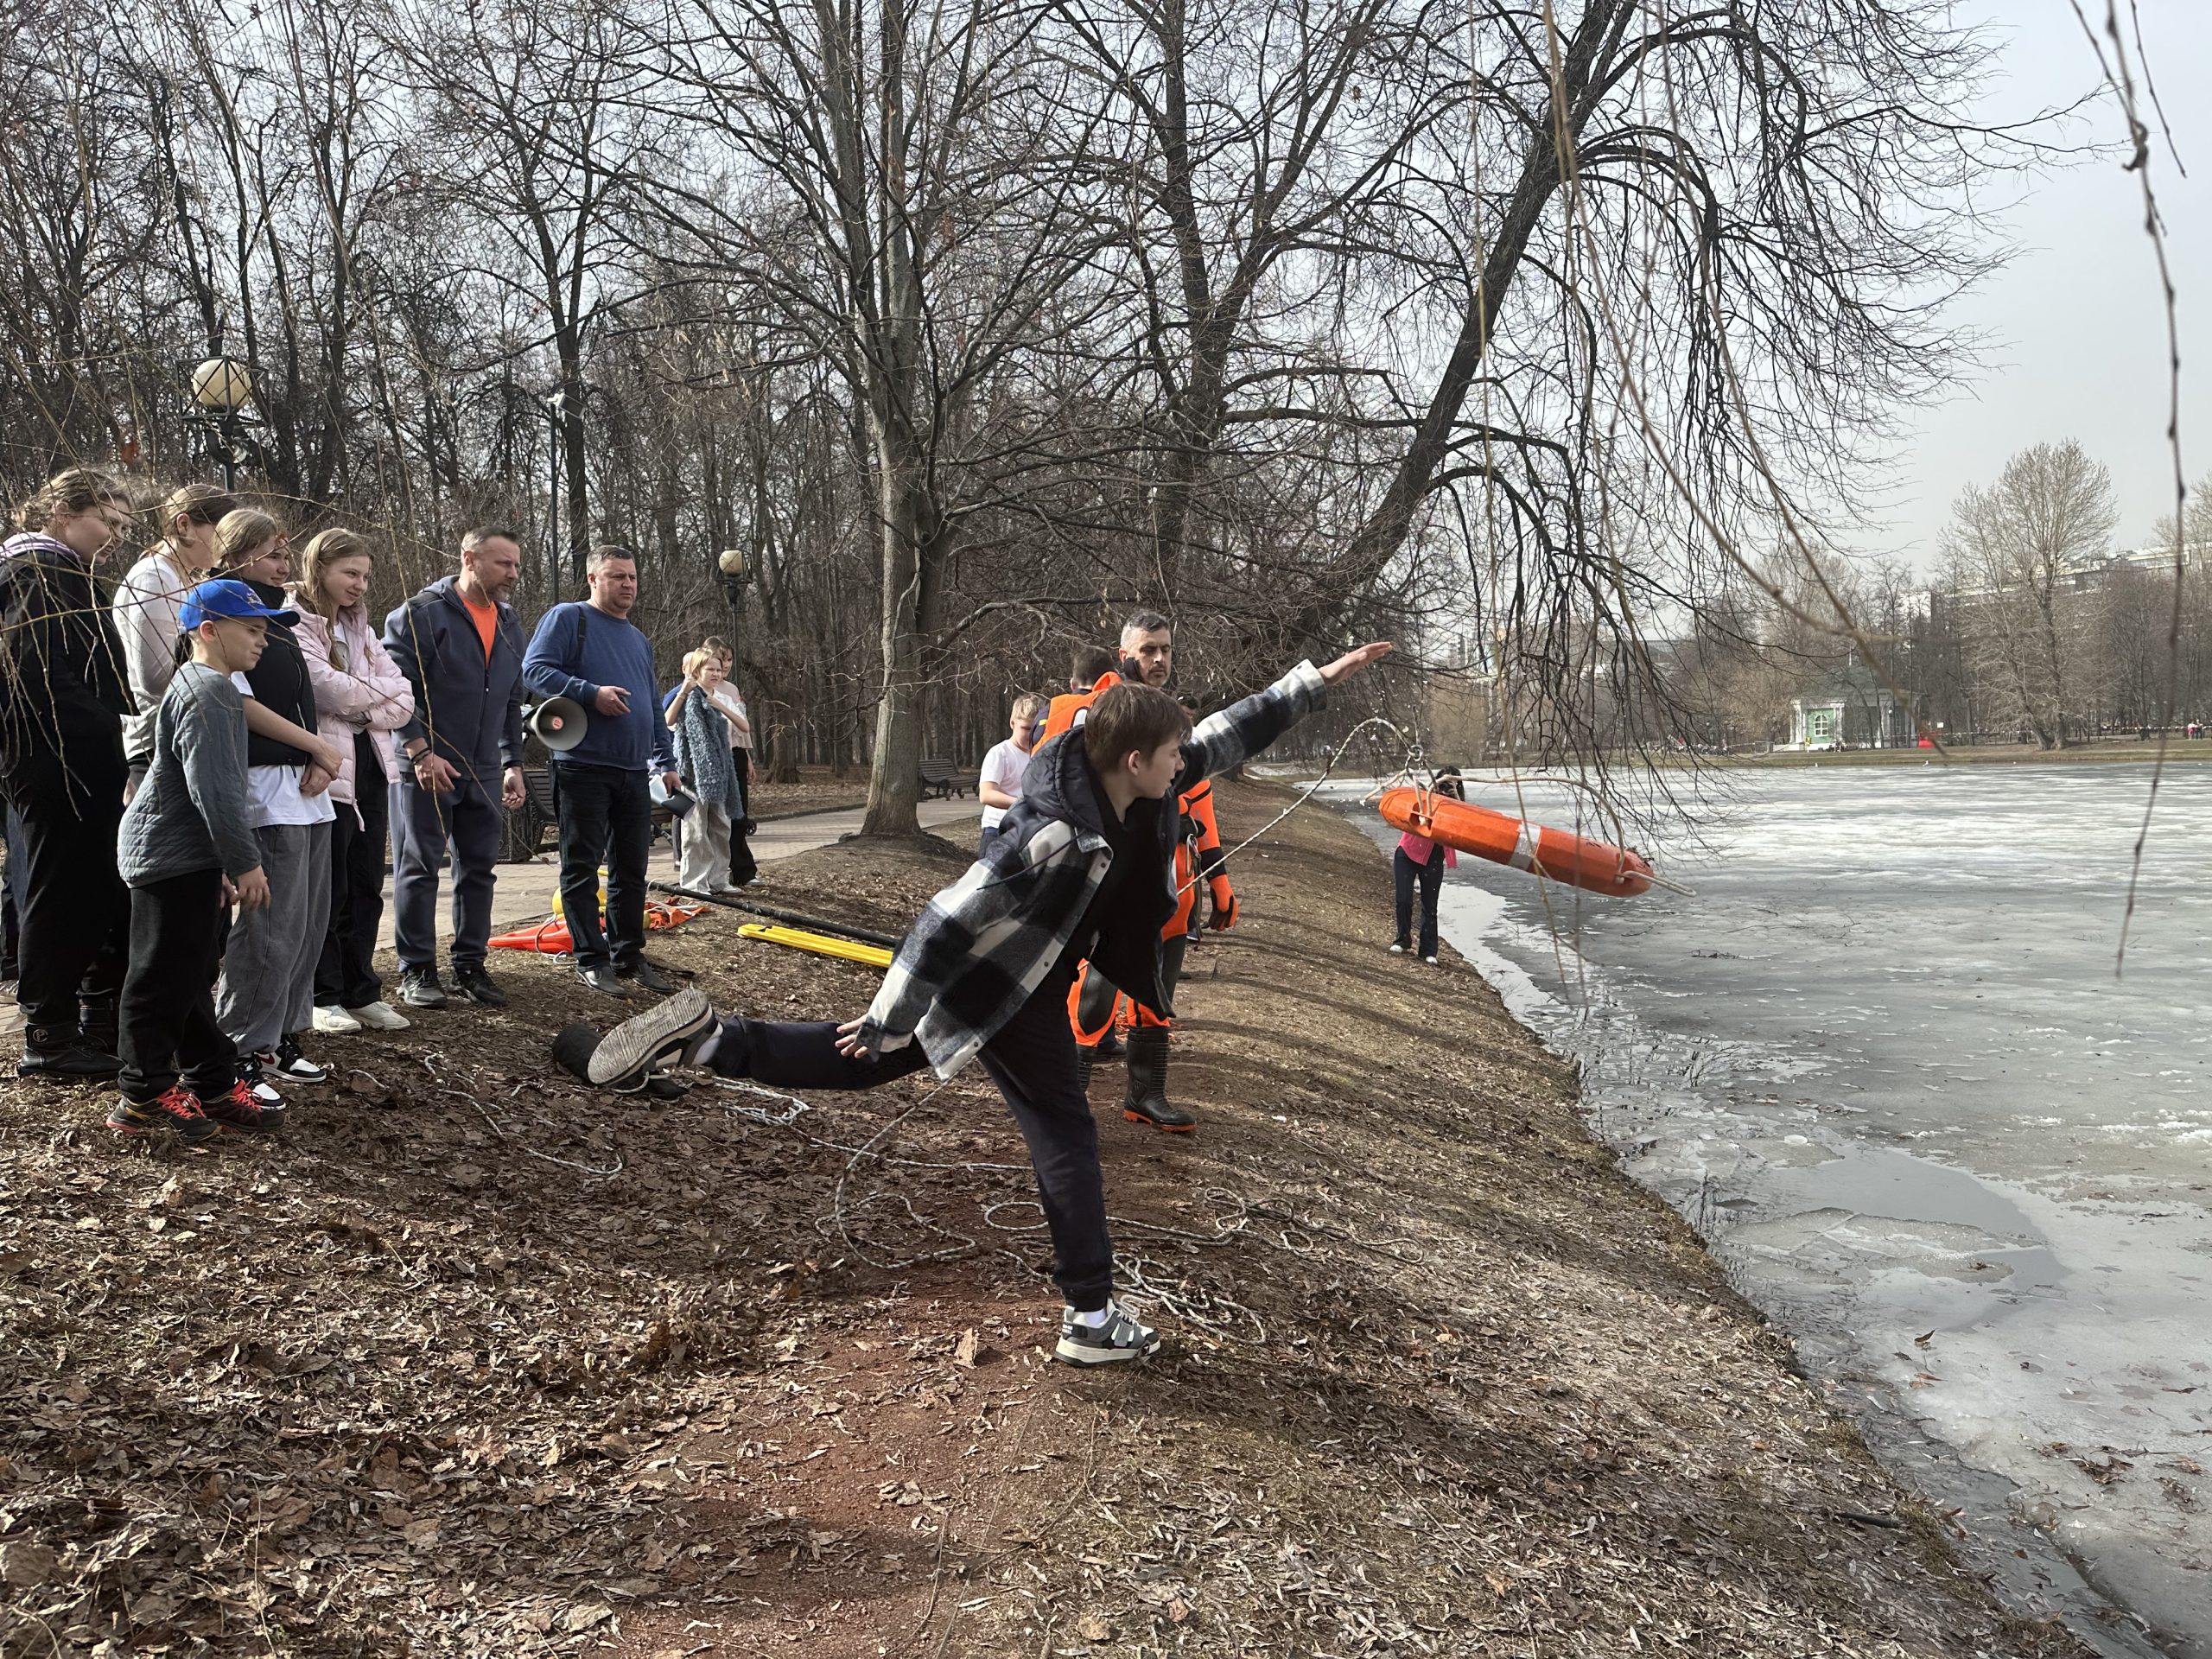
(1145, 1101)
(61, 1052)
(100, 1025)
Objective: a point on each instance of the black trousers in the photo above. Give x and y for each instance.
(168, 1027)
(743, 867)
(73, 914)
(11, 899)
(606, 815)
(1430, 878)
(1033, 1061)
(346, 976)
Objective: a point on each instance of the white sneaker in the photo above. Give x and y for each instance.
(378, 1016)
(1431, 961)
(334, 1022)
(1119, 1337)
(1397, 950)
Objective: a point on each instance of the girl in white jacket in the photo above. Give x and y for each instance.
(147, 601)
(360, 698)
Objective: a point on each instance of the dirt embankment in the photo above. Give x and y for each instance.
(473, 1362)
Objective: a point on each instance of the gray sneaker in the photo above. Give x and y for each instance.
(419, 988)
(1118, 1337)
(670, 1034)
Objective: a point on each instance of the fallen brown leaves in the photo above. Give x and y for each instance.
(471, 1361)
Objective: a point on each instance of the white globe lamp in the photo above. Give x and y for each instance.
(220, 385)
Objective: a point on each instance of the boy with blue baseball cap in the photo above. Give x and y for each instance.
(187, 852)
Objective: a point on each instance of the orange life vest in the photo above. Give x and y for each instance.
(1065, 712)
(1200, 835)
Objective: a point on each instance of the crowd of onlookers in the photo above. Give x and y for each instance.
(202, 765)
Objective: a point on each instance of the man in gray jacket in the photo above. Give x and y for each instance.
(461, 761)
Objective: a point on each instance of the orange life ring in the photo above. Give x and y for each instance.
(1575, 860)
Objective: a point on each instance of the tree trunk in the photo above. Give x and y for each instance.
(911, 563)
(904, 505)
(574, 461)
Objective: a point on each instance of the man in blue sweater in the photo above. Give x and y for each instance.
(593, 653)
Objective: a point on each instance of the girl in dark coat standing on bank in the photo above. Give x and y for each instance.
(62, 700)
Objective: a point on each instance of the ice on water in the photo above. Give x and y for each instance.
(1882, 1059)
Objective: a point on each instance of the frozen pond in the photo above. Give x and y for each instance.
(1882, 1059)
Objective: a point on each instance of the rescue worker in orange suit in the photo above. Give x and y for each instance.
(1095, 668)
(1147, 655)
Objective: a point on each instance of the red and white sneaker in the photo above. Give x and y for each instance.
(176, 1112)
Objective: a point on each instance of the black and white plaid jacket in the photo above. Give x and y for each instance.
(985, 943)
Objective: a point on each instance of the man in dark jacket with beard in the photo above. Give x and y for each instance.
(461, 758)
(62, 700)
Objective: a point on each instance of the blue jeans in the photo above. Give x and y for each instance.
(467, 819)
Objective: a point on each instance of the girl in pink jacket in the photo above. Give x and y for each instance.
(1421, 862)
(360, 698)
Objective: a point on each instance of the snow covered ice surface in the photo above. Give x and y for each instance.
(1882, 1060)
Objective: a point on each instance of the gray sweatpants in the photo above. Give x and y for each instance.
(267, 991)
(703, 860)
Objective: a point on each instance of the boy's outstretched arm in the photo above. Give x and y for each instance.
(1228, 738)
(1353, 661)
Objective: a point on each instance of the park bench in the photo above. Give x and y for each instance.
(941, 778)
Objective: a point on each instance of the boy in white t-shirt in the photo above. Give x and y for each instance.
(1000, 784)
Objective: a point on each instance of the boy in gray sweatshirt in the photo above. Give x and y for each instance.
(187, 852)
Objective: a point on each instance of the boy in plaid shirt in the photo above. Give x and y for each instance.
(1082, 867)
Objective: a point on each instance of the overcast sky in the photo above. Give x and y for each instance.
(2079, 345)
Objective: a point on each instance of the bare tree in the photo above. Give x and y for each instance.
(1699, 254)
(899, 202)
(2017, 554)
(536, 134)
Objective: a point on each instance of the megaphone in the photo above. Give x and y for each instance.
(558, 722)
(679, 801)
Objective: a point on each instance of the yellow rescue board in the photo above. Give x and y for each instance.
(874, 955)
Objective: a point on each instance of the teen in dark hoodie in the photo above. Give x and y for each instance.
(1082, 868)
(62, 700)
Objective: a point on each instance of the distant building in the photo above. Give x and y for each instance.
(2089, 575)
(1850, 709)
